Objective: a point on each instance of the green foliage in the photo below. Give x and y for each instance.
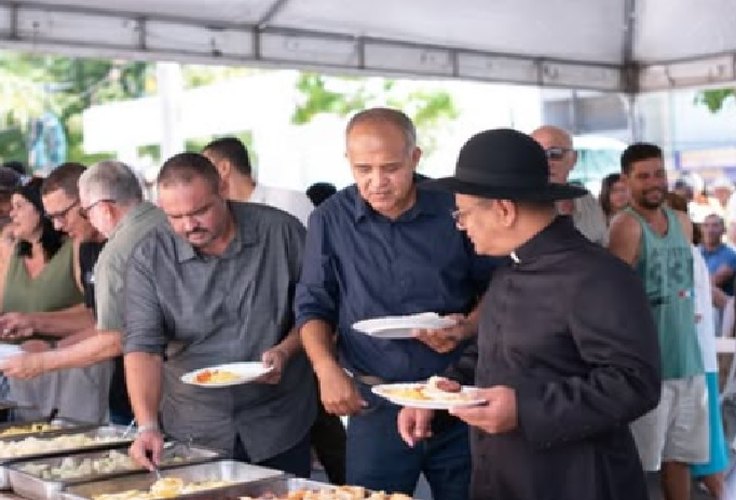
(430, 110)
(151, 150)
(12, 145)
(714, 99)
(318, 99)
(66, 87)
(195, 75)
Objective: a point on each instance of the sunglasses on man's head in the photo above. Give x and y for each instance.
(556, 153)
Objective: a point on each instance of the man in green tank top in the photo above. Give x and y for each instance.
(656, 241)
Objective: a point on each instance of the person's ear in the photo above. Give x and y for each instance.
(224, 167)
(507, 212)
(416, 155)
(224, 187)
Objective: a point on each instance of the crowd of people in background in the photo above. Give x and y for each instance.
(113, 297)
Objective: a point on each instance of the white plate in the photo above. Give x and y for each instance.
(246, 371)
(7, 350)
(428, 404)
(402, 327)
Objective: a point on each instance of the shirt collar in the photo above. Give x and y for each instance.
(425, 204)
(246, 234)
(714, 251)
(131, 216)
(560, 234)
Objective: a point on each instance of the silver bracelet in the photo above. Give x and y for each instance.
(152, 427)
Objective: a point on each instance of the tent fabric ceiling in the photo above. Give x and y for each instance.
(612, 45)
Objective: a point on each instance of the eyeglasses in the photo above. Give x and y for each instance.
(61, 215)
(460, 215)
(84, 211)
(556, 154)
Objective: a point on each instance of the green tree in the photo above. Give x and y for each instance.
(64, 86)
(197, 75)
(714, 99)
(430, 110)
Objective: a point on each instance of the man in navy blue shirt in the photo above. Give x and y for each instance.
(385, 246)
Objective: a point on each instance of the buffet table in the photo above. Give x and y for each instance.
(60, 459)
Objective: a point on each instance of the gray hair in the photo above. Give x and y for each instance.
(386, 115)
(111, 180)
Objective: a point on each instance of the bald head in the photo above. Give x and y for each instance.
(561, 157)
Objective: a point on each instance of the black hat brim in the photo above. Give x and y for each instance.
(550, 192)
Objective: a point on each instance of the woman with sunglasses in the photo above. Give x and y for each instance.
(39, 277)
(614, 196)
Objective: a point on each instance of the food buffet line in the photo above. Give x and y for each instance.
(60, 459)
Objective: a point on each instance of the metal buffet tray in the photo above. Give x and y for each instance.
(33, 487)
(7, 404)
(98, 431)
(227, 470)
(65, 426)
(279, 486)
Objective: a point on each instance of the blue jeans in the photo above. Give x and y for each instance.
(378, 459)
(296, 460)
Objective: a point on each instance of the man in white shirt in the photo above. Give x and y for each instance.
(230, 157)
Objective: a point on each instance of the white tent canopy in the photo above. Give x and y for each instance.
(611, 45)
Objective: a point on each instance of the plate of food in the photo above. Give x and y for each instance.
(8, 350)
(437, 393)
(402, 327)
(227, 374)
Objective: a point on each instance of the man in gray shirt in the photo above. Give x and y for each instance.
(217, 287)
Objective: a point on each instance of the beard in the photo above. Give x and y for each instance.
(650, 204)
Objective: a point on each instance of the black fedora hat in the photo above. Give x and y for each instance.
(505, 164)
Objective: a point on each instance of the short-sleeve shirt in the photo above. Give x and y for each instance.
(110, 267)
(723, 255)
(203, 310)
(589, 219)
(360, 265)
(292, 202)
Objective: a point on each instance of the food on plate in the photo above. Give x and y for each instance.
(436, 389)
(17, 430)
(75, 468)
(33, 445)
(168, 487)
(442, 386)
(215, 376)
(333, 493)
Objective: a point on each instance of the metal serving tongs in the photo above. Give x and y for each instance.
(149, 456)
(128, 429)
